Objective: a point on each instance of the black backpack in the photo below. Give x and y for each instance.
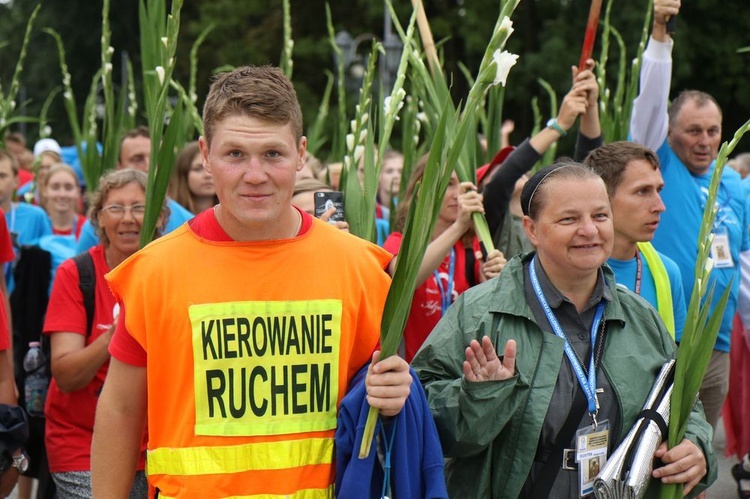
(87, 285)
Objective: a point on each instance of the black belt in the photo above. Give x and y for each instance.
(568, 458)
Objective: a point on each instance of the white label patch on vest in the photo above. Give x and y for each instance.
(266, 367)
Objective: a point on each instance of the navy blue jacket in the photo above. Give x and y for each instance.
(416, 456)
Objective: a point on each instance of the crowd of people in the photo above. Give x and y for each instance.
(218, 362)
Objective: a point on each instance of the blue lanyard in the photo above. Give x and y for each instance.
(446, 293)
(8, 267)
(588, 385)
(12, 225)
(388, 441)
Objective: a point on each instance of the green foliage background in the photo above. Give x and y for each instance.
(548, 37)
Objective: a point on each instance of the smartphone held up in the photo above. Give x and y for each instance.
(325, 200)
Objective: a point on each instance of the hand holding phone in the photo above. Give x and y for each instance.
(325, 200)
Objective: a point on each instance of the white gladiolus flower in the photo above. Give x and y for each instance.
(506, 24)
(362, 136)
(68, 96)
(365, 117)
(160, 73)
(359, 151)
(422, 117)
(110, 50)
(165, 41)
(350, 141)
(504, 61)
(387, 104)
(108, 67)
(353, 125)
(709, 265)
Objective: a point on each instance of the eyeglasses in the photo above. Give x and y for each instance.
(118, 210)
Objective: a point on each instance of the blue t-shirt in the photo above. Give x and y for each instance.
(625, 274)
(26, 224)
(684, 195)
(177, 216)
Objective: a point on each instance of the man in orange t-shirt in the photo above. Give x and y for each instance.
(241, 330)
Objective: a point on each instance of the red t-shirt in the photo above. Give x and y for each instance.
(70, 416)
(426, 306)
(24, 177)
(77, 225)
(123, 346)
(6, 255)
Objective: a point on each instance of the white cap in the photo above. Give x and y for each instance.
(46, 145)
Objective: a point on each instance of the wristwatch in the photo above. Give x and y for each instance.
(21, 462)
(553, 124)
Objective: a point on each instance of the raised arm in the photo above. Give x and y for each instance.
(589, 130)
(649, 122)
(469, 201)
(498, 192)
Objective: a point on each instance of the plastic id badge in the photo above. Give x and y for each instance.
(592, 444)
(720, 252)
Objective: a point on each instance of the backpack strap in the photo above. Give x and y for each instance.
(87, 285)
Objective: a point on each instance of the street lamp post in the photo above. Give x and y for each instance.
(355, 62)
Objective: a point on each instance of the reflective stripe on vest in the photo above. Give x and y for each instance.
(300, 494)
(239, 458)
(663, 288)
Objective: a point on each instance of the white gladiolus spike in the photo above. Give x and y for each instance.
(709, 265)
(160, 73)
(504, 61)
(359, 151)
(506, 24)
(387, 104)
(350, 141)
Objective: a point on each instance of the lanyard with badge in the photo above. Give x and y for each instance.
(446, 292)
(721, 252)
(592, 441)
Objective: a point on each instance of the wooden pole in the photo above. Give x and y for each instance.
(591, 27)
(427, 41)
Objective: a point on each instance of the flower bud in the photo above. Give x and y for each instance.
(160, 73)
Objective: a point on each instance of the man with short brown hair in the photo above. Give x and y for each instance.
(686, 137)
(242, 329)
